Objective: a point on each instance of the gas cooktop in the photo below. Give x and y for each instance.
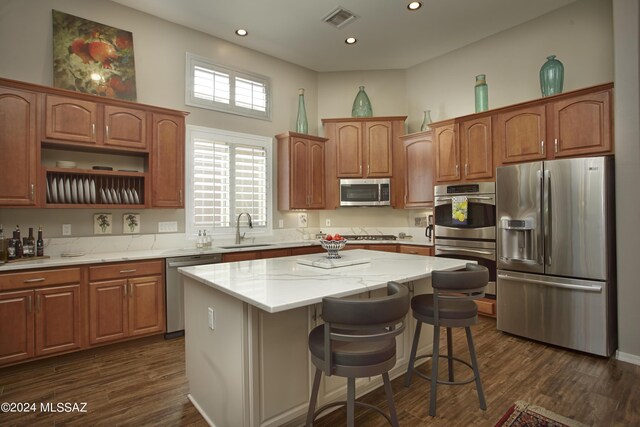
(369, 236)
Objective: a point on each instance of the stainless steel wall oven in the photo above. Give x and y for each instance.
(473, 238)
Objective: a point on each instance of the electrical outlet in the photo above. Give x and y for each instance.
(327, 222)
(281, 223)
(66, 229)
(168, 227)
(302, 220)
(211, 318)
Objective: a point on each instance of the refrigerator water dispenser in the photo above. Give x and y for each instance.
(517, 240)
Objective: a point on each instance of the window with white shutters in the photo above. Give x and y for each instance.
(220, 88)
(228, 173)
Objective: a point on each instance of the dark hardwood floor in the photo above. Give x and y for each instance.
(143, 383)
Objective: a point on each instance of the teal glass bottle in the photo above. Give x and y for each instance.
(482, 93)
(361, 105)
(551, 76)
(302, 125)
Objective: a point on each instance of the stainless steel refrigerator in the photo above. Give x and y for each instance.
(556, 253)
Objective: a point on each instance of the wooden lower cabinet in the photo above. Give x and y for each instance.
(39, 322)
(123, 308)
(486, 307)
(416, 250)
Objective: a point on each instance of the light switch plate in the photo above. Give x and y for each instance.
(327, 222)
(211, 318)
(168, 227)
(281, 223)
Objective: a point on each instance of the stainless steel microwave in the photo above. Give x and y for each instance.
(365, 192)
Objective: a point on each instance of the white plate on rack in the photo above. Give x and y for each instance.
(87, 192)
(80, 187)
(125, 198)
(48, 193)
(103, 196)
(67, 191)
(74, 190)
(93, 190)
(61, 198)
(136, 199)
(54, 190)
(130, 195)
(114, 196)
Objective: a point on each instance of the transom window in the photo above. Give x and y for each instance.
(227, 173)
(220, 88)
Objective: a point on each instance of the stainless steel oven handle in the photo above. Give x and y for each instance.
(473, 251)
(587, 288)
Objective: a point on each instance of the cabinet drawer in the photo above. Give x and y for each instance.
(275, 253)
(486, 307)
(415, 250)
(39, 278)
(125, 269)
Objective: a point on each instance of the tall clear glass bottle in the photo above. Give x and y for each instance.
(482, 93)
(302, 126)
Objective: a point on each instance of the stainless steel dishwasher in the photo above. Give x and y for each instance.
(174, 289)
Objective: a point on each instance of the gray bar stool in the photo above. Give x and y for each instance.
(450, 306)
(357, 340)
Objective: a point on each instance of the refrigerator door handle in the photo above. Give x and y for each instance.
(586, 288)
(547, 215)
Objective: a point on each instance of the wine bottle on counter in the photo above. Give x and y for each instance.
(18, 242)
(11, 248)
(40, 243)
(3, 248)
(31, 241)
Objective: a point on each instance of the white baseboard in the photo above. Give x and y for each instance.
(627, 357)
(206, 418)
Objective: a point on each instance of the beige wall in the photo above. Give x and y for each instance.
(580, 35)
(627, 128)
(160, 48)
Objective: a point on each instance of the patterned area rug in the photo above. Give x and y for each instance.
(523, 414)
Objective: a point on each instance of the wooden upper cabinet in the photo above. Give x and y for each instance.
(447, 153)
(301, 171)
(377, 148)
(349, 149)
(521, 134)
(417, 170)
(71, 119)
(125, 127)
(581, 125)
(167, 159)
(477, 148)
(18, 145)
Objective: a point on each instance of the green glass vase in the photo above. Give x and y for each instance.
(302, 125)
(551, 76)
(482, 93)
(426, 121)
(361, 105)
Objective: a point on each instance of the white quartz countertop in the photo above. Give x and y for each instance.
(280, 284)
(133, 255)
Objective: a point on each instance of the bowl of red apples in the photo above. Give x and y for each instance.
(333, 244)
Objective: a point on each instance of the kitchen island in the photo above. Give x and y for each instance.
(246, 327)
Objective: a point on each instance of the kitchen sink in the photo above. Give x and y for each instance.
(256, 245)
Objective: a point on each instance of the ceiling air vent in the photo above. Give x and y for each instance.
(339, 17)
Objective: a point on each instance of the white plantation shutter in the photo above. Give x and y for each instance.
(228, 174)
(220, 88)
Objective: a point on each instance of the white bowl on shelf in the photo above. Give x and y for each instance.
(65, 164)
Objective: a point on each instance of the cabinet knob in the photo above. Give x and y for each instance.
(33, 191)
(133, 270)
(93, 130)
(360, 170)
(38, 279)
(466, 169)
(457, 170)
(106, 131)
(556, 144)
(368, 170)
(29, 305)
(542, 147)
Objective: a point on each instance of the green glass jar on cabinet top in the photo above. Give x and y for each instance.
(551, 76)
(361, 105)
(482, 93)
(302, 125)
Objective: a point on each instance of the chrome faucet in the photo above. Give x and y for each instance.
(238, 236)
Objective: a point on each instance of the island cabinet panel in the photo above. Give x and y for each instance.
(70, 119)
(167, 159)
(521, 134)
(582, 125)
(18, 145)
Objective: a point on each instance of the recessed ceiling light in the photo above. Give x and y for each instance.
(414, 5)
(242, 32)
(350, 40)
